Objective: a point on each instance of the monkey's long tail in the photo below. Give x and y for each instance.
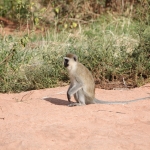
(120, 102)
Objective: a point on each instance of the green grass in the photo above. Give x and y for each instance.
(113, 49)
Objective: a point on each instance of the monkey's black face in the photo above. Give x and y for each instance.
(66, 61)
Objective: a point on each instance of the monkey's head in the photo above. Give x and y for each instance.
(70, 60)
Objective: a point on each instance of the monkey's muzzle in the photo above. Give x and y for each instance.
(66, 61)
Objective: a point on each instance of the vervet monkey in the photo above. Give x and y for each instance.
(82, 85)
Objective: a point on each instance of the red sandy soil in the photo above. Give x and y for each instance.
(28, 122)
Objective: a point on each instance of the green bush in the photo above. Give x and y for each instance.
(113, 50)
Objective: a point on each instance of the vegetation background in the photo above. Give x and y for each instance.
(110, 37)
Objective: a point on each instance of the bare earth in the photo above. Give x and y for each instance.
(28, 122)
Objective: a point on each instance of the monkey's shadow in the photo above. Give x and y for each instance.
(56, 101)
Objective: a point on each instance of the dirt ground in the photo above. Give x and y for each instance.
(41, 120)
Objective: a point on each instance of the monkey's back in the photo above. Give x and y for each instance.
(84, 76)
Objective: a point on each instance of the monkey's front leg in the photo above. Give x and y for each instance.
(72, 90)
(68, 97)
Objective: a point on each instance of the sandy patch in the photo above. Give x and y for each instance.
(27, 122)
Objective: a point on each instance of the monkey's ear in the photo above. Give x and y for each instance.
(75, 58)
